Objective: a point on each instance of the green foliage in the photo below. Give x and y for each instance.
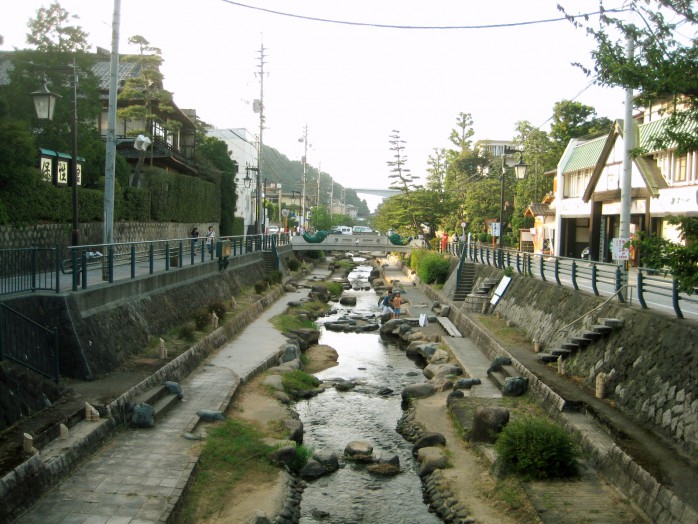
(508, 271)
(238, 226)
(219, 308)
(433, 268)
(180, 198)
(303, 454)
(293, 264)
(202, 318)
(335, 288)
(416, 258)
(275, 277)
(187, 331)
(536, 448)
(261, 286)
(298, 380)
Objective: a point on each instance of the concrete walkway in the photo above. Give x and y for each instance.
(140, 474)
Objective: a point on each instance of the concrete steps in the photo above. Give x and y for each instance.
(160, 398)
(605, 327)
(465, 285)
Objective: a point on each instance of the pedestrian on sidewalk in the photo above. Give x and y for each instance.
(210, 239)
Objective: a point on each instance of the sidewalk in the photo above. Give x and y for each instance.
(140, 474)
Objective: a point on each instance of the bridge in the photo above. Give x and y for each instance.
(355, 243)
(385, 193)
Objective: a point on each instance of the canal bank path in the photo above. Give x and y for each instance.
(139, 475)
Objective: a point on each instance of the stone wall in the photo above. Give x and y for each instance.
(651, 362)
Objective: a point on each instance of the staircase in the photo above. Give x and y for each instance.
(578, 343)
(479, 300)
(465, 285)
(269, 261)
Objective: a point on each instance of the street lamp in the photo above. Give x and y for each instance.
(45, 103)
(520, 171)
(248, 182)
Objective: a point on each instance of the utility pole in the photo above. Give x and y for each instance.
(110, 156)
(626, 175)
(319, 175)
(344, 202)
(331, 197)
(305, 173)
(261, 141)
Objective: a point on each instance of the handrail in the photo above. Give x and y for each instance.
(564, 328)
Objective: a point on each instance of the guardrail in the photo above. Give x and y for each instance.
(38, 268)
(655, 289)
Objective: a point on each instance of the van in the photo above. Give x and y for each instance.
(341, 230)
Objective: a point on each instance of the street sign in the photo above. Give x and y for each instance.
(619, 251)
(284, 212)
(495, 229)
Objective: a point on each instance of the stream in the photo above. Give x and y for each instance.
(333, 419)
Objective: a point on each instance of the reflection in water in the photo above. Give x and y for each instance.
(332, 419)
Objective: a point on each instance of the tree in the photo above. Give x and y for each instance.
(145, 98)
(401, 178)
(51, 31)
(664, 63)
(575, 120)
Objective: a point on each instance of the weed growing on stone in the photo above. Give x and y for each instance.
(288, 322)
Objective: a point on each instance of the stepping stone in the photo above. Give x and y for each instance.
(547, 357)
(559, 352)
(582, 341)
(569, 345)
(592, 336)
(612, 322)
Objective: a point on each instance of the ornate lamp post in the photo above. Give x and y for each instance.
(45, 103)
(520, 171)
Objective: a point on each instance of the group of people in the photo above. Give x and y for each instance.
(391, 303)
(210, 238)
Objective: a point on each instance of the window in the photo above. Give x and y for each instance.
(680, 168)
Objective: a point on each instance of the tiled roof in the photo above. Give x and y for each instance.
(652, 129)
(585, 155)
(536, 209)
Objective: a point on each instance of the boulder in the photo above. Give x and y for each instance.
(311, 336)
(348, 300)
(444, 311)
(431, 318)
(514, 386)
(423, 390)
(488, 422)
(441, 384)
(289, 352)
(428, 439)
(285, 455)
(312, 470)
(466, 383)
(295, 429)
(426, 350)
(441, 370)
(391, 325)
(497, 363)
(439, 357)
(358, 447)
(431, 459)
(143, 416)
(328, 459)
(207, 415)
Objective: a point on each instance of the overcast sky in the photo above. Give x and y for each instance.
(351, 84)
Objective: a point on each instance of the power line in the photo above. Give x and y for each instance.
(421, 27)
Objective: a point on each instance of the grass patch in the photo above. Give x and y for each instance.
(335, 288)
(510, 491)
(345, 264)
(500, 330)
(288, 322)
(233, 451)
(298, 380)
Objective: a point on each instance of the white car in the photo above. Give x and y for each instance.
(273, 230)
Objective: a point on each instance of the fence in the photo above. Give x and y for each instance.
(36, 268)
(653, 288)
(28, 343)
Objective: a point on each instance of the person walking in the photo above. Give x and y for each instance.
(210, 239)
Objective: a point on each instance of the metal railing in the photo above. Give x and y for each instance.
(655, 289)
(36, 268)
(28, 343)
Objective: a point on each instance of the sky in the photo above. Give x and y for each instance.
(352, 85)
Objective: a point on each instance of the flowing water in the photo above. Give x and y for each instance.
(333, 419)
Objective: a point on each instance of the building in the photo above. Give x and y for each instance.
(587, 201)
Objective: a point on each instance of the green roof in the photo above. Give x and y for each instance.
(585, 155)
(656, 128)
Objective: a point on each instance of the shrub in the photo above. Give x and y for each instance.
(416, 258)
(219, 308)
(261, 286)
(298, 380)
(201, 319)
(275, 277)
(536, 448)
(186, 331)
(433, 268)
(303, 454)
(293, 264)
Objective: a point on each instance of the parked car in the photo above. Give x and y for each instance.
(585, 253)
(362, 230)
(273, 230)
(341, 230)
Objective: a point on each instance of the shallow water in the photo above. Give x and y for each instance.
(333, 419)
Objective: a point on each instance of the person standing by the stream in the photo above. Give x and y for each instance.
(397, 302)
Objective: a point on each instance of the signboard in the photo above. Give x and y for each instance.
(495, 229)
(47, 169)
(284, 212)
(499, 292)
(620, 251)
